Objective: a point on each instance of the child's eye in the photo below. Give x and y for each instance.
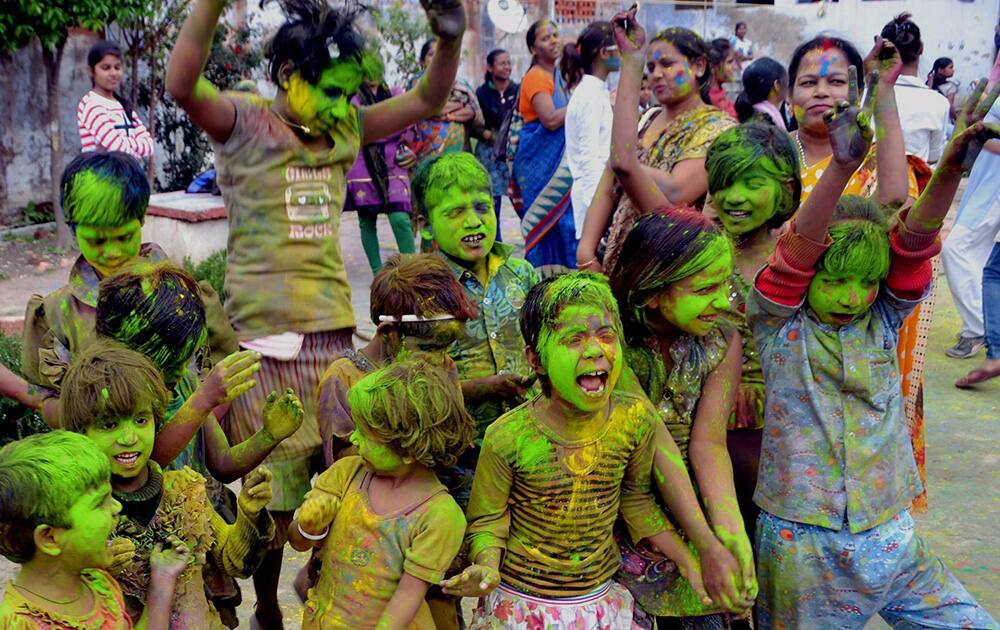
(142, 420)
(333, 92)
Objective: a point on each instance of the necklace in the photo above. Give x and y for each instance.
(51, 601)
(302, 128)
(802, 150)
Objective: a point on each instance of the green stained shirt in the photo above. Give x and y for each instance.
(285, 271)
(492, 343)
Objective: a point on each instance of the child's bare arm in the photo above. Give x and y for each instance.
(596, 222)
(165, 565)
(447, 20)
(971, 133)
(405, 602)
(206, 106)
(893, 186)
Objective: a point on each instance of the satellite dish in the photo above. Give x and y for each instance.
(508, 15)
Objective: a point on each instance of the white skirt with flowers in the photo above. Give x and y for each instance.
(607, 608)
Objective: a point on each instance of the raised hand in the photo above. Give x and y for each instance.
(971, 132)
(230, 378)
(446, 17)
(477, 580)
(629, 34)
(282, 415)
(168, 564)
(317, 513)
(884, 58)
(256, 491)
(849, 126)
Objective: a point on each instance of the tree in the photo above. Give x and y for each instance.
(49, 21)
(404, 29)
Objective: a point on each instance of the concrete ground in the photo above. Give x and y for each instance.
(963, 464)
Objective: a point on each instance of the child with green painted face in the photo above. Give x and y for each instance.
(386, 526)
(56, 515)
(115, 397)
(671, 282)
(452, 195)
(104, 196)
(282, 168)
(835, 538)
(555, 472)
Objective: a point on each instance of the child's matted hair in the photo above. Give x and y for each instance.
(415, 409)
(663, 247)
(860, 235)
(316, 34)
(41, 477)
(154, 309)
(740, 148)
(107, 381)
(445, 170)
(104, 190)
(421, 285)
(546, 300)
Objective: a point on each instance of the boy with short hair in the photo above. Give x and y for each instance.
(56, 514)
(115, 397)
(835, 539)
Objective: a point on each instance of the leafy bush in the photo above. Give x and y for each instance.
(212, 269)
(16, 420)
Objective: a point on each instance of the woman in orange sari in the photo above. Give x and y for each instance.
(818, 78)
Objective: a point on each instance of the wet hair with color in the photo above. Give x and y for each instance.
(740, 148)
(860, 238)
(546, 300)
(663, 247)
(108, 381)
(448, 169)
(758, 82)
(104, 190)
(415, 409)
(692, 46)
(41, 477)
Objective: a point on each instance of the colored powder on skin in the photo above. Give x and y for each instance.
(825, 62)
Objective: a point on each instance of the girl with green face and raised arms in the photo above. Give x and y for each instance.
(837, 469)
(56, 516)
(282, 167)
(386, 527)
(554, 474)
(116, 397)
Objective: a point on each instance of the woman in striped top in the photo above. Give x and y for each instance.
(105, 119)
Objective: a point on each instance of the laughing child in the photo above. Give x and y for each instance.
(56, 515)
(387, 527)
(115, 396)
(105, 197)
(835, 538)
(554, 472)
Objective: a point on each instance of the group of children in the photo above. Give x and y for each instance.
(558, 449)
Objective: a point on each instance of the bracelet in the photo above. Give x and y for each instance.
(312, 536)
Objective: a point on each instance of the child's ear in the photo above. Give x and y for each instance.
(285, 72)
(45, 541)
(534, 360)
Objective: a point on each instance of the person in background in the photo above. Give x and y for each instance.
(765, 87)
(940, 78)
(645, 94)
(497, 97)
(589, 113)
(742, 45)
(924, 113)
(725, 68)
(105, 119)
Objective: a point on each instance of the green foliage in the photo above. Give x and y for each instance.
(212, 269)
(404, 30)
(35, 213)
(16, 420)
(21, 21)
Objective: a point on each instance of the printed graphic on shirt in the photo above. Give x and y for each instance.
(307, 202)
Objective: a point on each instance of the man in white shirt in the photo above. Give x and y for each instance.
(923, 112)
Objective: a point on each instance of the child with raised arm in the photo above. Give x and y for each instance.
(56, 515)
(282, 168)
(387, 528)
(555, 472)
(115, 396)
(835, 538)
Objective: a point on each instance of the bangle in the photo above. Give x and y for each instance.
(308, 536)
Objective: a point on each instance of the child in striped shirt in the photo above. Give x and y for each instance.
(106, 121)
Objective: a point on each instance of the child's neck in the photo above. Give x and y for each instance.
(480, 267)
(53, 585)
(568, 421)
(752, 251)
(376, 350)
(404, 487)
(130, 484)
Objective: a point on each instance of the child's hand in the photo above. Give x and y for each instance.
(317, 513)
(256, 491)
(230, 378)
(739, 545)
(477, 580)
(629, 34)
(282, 416)
(446, 17)
(122, 551)
(721, 576)
(690, 569)
(509, 386)
(971, 133)
(165, 565)
(850, 126)
(884, 58)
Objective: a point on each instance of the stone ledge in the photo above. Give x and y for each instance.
(189, 208)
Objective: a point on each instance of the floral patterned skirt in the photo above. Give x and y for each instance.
(607, 608)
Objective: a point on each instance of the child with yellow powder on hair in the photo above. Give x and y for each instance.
(386, 526)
